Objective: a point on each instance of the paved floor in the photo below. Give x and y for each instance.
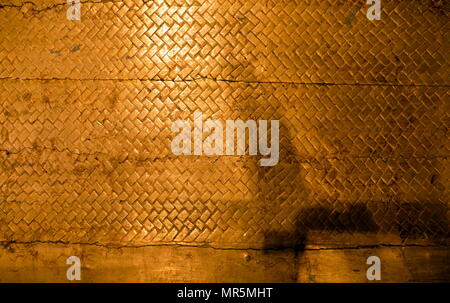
(85, 139)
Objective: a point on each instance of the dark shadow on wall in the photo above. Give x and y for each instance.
(284, 186)
(427, 220)
(284, 191)
(412, 221)
(355, 218)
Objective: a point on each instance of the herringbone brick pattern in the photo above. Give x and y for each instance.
(87, 107)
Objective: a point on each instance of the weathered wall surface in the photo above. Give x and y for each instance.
(86, 165)
(47, 263)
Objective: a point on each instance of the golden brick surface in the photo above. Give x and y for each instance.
(87, 108)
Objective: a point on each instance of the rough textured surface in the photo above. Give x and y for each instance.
(154, 264)
(85, 131)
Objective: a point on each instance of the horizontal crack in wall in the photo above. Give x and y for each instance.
(48, 8)
(6, 244)
(298, 160)
(231, 81)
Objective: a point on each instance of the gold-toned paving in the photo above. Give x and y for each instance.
(87, 108)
